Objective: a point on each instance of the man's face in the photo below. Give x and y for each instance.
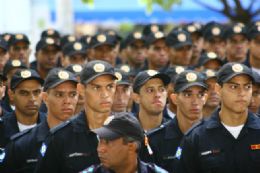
(137, 52)
(113, 153)
(236, 94)
(99, 94)
(255, 101)
(21, 51)
(254, 47)
(62, 100)
(190, 103)
(197, 45)
(122, 97)
(216, 45)
(74, 59)
(47, 57)
(181, 56)
(213, 65)
(105, 52)
(237, 47)
(4, 56)
(158, 54)
(213, 97)
(152, 96)
(26, 97)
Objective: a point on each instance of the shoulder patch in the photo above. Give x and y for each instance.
(20, 134)
(158, 129)
(194, 126)
(61, 126)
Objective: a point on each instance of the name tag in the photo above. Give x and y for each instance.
(205, 153)
(255, 147)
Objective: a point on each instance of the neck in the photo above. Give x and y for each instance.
(207, 111)
(254, 62)
(184, 123)
(95, 119)
(42, 72)
(25, 119)
(149, 122)
(52, 122)
(152, 67)
(233, 118)
(172, 107)
(129, 166)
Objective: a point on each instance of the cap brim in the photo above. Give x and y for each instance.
(106, 133)
(165, 78)
(60, 82)
(100, 44)
(123, 83)
(236, 74)
(30, 78)
(179, 45)
(77, 52)
(191, 85)
(97, 75)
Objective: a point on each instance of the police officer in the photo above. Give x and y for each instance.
(60, 96)
(51, 33)
(213, 100)
(123, 91)
(25, 90)
(189, 96)
(209, 60)
(229, 140)
(180, 47)
(120, 139)
(150, 93)
(72, 145)
(19, 48)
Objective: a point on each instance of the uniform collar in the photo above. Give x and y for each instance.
(42, 131)
(79, 123)
(172, 130)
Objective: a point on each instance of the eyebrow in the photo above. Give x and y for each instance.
(239, 84)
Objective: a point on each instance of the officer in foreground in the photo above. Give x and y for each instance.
(60, 96)
(229, 141)
(120, 139)
(73, 146)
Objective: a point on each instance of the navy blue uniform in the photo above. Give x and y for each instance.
(72, 147)
(23, 151)
(164, 142)
(210, 147)
(142, 168)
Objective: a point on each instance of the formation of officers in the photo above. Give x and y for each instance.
(186, 101)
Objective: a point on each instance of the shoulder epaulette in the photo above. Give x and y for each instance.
(199, 123)
(20, 134)
(60, 126)
(155, 130)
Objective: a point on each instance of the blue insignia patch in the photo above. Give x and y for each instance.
(178, 153)
(2, 155)
(43, 149)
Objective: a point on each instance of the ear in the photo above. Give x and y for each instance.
(136, 97)
(80, 88)
(44, 96)
(217, 88)
(132, 147)
(206, 98)
(173, 98)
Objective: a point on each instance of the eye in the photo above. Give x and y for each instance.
(200, 95)
(149, 90)
(162, 89)
(73, 94)
(95, 88)
(58, 94)
(109, 87)
(233, 87)
(186, 94)
(23, 93)
(248, 86)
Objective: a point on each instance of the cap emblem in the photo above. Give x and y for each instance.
(210, 73)
(109, 119)
(63, 75)
(154, 28)
(237, 68)
(182, 37)
(77, 68)
(137, 35)
(19, 36)
(71, 38)
(179, 69)
(118, 76)
(16, 63)
(152, 72)
(26, 74)
(191, 77)
(50, 32)
(125, 68)
(99, 68)
(211, 55)
(158, 35)
(49, 40)
(191, 28)
(101, 38)
(77, 46)
(237, 29)
(215, 31)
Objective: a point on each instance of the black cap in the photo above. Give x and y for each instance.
(152, 37)
(122, 77)
(18, 38)
(152, 28)
(86, 40)
(75, 69)
(3, 44)
(50, 33)
(193, 28)
(256, 77)
(127, 69)
(114, 34)
(209, 73)
(123, 124)
(102, 39)
(94, 69)
(237, 28)
(212, 30)
(143, 76)
(47, 41)
(254, 30)
(67, 39)
(178, 38)
(132, 37)
(23, 75)
(230, 70)
(209, 56)
(11, 64)
(73, 48)
(188, 79)
(57, 76)
(174, 71)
